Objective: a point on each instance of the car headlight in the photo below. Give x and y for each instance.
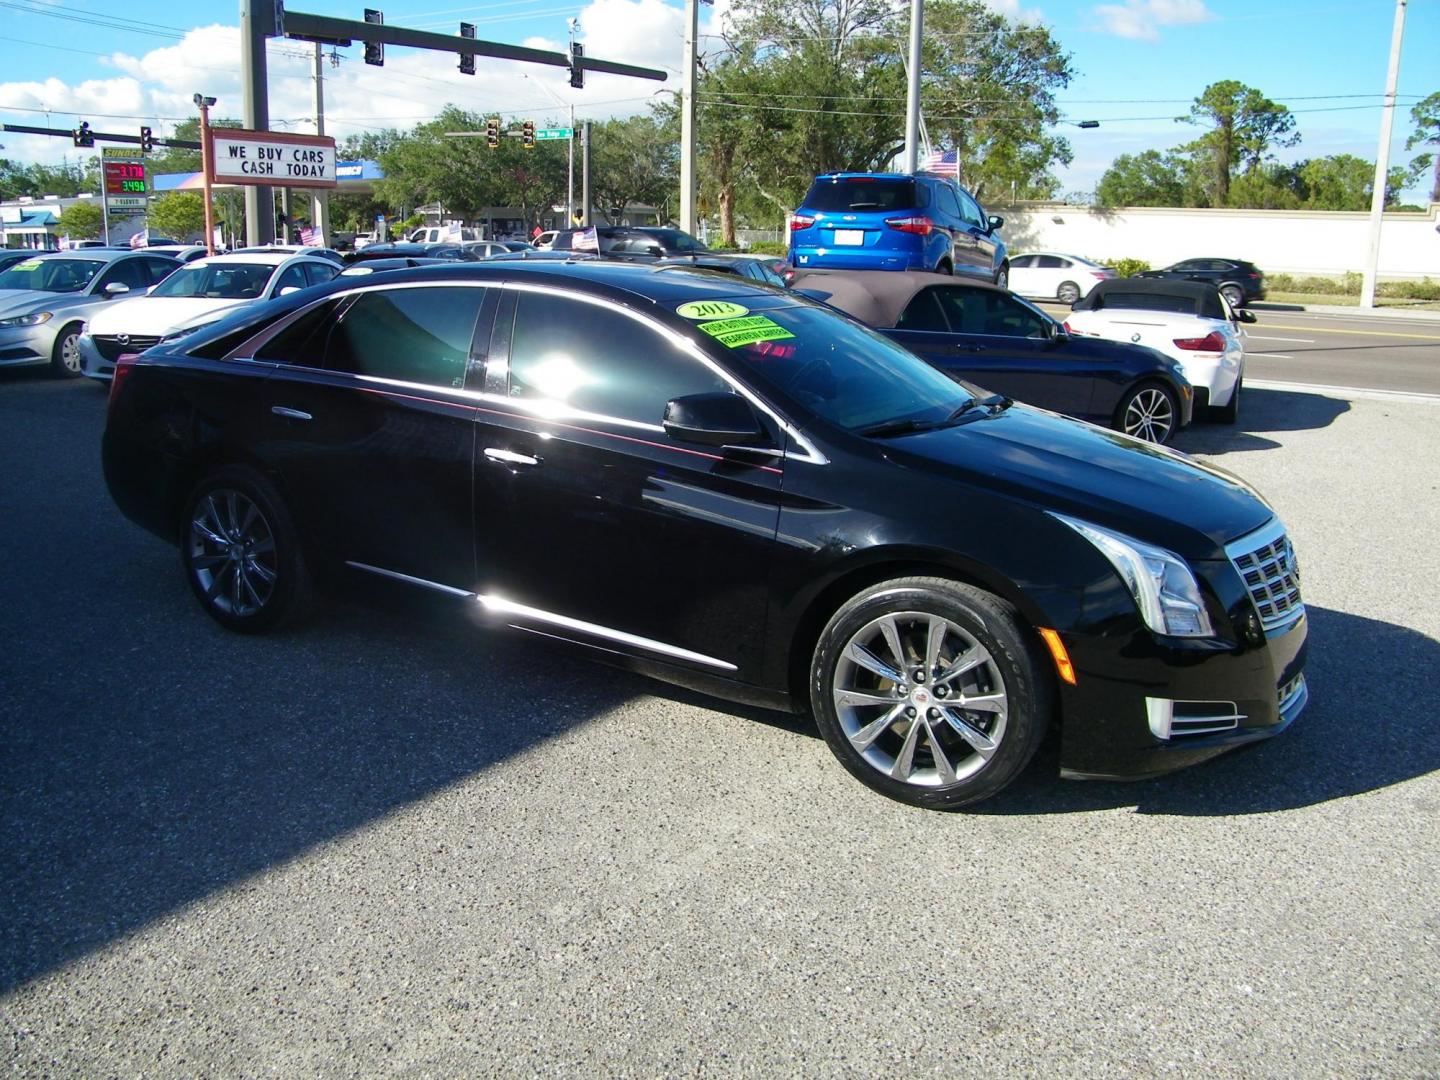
(1162, 583)
(27, 320)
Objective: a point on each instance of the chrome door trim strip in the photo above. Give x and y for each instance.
(500, 606)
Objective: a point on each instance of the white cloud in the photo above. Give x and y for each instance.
(1142, 19)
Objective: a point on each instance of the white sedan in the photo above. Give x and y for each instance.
(1048, 275)
(194, 296)
(1187, 320)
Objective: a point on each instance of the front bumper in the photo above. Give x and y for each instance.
(20, 345)
(92, 364)
(1144, 705)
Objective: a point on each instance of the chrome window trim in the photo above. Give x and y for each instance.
(687, 345)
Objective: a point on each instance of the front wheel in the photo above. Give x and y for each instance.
(1002, 277)
(1148, 411)
(1230, 411)
(241, 552)
(65, 359)
(1068, 292)
(928, 691)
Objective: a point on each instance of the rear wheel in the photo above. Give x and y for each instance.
(65, 359)
(1068, 292)
(1002, 276)
(1230, 411)
(241, 552)
(1148, 411)
(1234, 296)
(929, 692)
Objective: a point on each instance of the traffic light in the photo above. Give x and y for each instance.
(577, 68)
(375, 50)
(147, 140)
(81, 135)
(467, 60)
(527, 134)
(492, 132)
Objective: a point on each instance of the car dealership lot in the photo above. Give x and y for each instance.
(384, 842)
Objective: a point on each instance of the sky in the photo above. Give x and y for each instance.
(1138, 64)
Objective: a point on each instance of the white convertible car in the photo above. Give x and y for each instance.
(193, 296)
(1187, 320)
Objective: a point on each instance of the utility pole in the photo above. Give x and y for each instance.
(570, 176)
(321, 202)
(912, 94)
(257, 22)
(204, 104)
(687, 120)
(585, 173)
(1382, 160)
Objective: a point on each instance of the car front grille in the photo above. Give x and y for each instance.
(1266, 561)
(112, 348)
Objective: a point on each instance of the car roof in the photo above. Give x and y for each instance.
(96, 254)
(877, 297)
(864, 176)
(1058, 255)
(1206, 296)
(265, 258)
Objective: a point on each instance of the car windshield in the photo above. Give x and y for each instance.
(51, 275)
(838, 369)
(676, 240)
(860, 193)
(227, 281)
(1179, 305)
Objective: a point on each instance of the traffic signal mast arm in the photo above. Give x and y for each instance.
(98, 136)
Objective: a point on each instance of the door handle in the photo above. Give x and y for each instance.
(292, 414)
(509, 457)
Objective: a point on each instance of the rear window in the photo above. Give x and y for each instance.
(1180, 305)
(861, 194)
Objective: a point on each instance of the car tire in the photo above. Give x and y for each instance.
(1230, 411)
(944, 756)
(1149, 411)
(241, 553)
(65, 359)
(1234, 296)
(1002, 276)
(1068, 292)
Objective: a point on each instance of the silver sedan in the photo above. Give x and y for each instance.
(45, 300)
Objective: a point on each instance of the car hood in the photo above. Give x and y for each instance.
(24, 301)
(1057, 463)
(156, 315)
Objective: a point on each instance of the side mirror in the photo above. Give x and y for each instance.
(714, 419)
(1075, 304)
(1057, 334)
(1245, 316)
(996, 223)
(288, 289)
(114, 289)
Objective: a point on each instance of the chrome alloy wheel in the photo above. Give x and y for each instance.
(70, 353)
(920, 700)
(1150, 415)
(232, 552)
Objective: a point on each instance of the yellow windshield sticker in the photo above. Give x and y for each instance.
(732, 333)
(711, 309)
(28, 264)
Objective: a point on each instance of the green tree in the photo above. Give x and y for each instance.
(1150, 178)
(178, 214)
(1426, 115)
(631, 161)
(176, 159)
(81, 221)
(1244, 125)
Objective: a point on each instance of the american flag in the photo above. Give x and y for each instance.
(944, 162)
(310, 236)
(140, 239)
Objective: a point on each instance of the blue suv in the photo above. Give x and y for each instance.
(885, 221)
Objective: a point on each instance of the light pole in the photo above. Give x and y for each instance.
(1382, 161)
(912, 91)
(204, 103)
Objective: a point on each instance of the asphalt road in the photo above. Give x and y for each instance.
(384, 843)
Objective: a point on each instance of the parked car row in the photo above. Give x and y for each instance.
(735, 487)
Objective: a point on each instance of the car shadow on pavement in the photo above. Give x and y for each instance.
(1262, 410)
(1369, 725)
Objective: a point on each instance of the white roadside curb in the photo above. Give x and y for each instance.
(1359, 392)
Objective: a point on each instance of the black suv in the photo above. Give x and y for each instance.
(730, 487)
(1239, 282)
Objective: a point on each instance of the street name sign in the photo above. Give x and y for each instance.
(552, 133)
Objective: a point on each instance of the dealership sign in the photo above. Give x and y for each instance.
(238, 156)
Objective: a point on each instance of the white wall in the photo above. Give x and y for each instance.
(1277, 241)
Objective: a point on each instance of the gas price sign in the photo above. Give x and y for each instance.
(124, 172)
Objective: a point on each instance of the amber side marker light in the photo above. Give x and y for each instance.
(1057, 650)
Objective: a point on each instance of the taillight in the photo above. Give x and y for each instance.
(919, 224)
(801, 221)
(1066, 327)
(1099, 275)
(123, 367)
(1256, 276)
(1211, 342)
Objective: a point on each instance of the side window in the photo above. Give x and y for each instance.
(302, 343)
(924, 313)
(416, 335)
(970, 210)
(948, 203)
(130, 272)
(319, 273)
(292, 277)
(1188, 266)
(1024, 262)
(159, 269)
(985, 311)
(1051, 262)
(597, 360)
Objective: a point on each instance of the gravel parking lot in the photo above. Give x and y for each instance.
(386, 844)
